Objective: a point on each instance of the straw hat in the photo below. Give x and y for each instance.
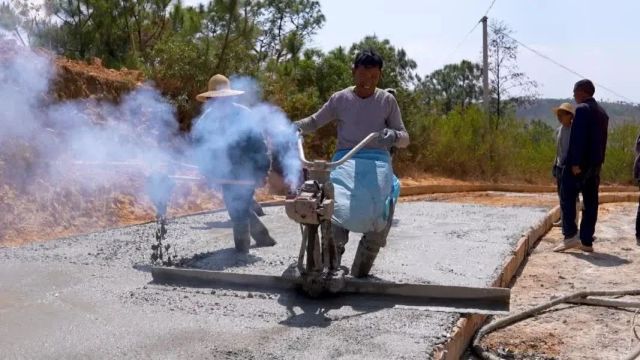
(565, 107)
(219, 86)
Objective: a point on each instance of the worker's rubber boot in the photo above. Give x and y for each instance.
(257, 208)
(340, 237)
(363, 261)
(259, 232)
(241, 237)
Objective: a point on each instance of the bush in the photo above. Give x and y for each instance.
(466, 144)
(618, 166)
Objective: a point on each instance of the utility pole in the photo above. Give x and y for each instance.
(485, 65)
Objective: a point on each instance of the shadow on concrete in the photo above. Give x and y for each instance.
(227, 224)
(315, 312)
(219, 260)
(602, 259)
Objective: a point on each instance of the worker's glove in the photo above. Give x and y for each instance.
(387, 138)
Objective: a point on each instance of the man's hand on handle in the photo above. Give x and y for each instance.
(387, 138)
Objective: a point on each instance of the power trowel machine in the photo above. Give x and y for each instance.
(312, 207)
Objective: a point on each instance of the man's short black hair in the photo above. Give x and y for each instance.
(368, 58)
(586, 86)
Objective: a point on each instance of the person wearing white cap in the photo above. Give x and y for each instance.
(230, 149)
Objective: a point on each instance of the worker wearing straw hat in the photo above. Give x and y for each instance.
(564, 113)
(232, 153)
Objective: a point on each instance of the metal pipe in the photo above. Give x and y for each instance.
(353, 151)
(304, 160)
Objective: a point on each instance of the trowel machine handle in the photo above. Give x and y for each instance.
(312, 165)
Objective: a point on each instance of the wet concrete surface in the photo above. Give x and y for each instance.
(90, 296)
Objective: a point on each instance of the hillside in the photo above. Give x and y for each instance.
(620, 112)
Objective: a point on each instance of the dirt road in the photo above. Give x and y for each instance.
(576, 332)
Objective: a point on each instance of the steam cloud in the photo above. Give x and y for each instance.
(141, 130)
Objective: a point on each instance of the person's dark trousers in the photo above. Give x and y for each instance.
(557, 173)
(238, 199)
(568, 186)
(257, 208)
(638, 223)
(589, 187)
(586, 183)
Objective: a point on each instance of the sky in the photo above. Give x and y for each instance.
(599, 39)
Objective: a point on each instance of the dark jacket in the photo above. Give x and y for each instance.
(229, 145)
(636, 164)
(588, 141)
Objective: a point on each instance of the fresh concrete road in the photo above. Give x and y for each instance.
(89, 296)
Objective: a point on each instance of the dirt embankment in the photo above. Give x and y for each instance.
(78, 79)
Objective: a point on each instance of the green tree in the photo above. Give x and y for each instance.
(455, 85)
(334, 72)
(142, 22)
(505, 76)
(75, 35)
(285, 26)
(399, 69)
(11, 20)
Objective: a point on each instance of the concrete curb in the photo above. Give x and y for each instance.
(466, 327)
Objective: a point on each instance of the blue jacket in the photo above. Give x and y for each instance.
(588, 141)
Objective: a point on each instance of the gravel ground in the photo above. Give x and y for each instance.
(90, 296)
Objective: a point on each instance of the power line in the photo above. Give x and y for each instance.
(462, 41)
(470, 32)
(567, 68)
(489, 9)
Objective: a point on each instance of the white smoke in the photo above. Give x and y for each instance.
(141, 130)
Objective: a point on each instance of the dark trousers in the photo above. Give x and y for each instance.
(586, 183)
(238, 199)
(557, 174)
(638, 221)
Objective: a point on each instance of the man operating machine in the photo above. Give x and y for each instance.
(366, 205)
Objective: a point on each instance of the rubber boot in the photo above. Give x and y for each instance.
(259, 232)
(363, 261)
(341, 237)
(241, 237)
(257, 208)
